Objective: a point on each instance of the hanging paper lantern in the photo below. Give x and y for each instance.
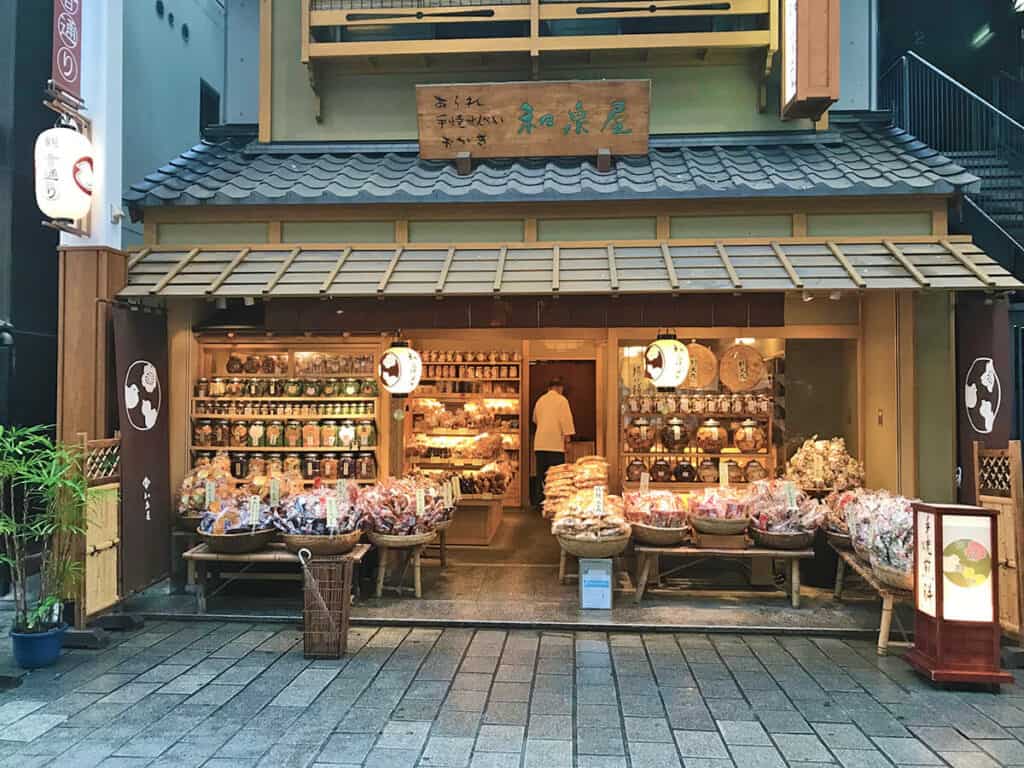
(400, 369)
(64, 173)
(666, 362)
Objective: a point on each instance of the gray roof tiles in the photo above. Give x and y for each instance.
(857, 157)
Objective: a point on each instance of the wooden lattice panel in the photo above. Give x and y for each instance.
(102, 461)
(994, 474)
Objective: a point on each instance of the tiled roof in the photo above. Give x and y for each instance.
(530, 270)
(859, 156)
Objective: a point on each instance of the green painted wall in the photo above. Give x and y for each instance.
(870, 224)
(510, 231)
(934, 384)
(685, 99)
(731, 226)
(564, 230)
(338, 232)
(235, 233)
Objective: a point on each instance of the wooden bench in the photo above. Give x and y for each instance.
(889, 595)
(200, 557)
(650, 557)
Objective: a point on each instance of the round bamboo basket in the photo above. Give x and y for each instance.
(703, 367)
(609, 547)
(863, 554)
(238, 543)
(720, 526)
(659, 537)
(779, 540)
(839, 540)
(892, 577)
(337, 544)
(396, 542)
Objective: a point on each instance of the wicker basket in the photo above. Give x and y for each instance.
(659, 537)
(779, 540)
(720, 526)
(188, 522)
(397, 542)
(238, 543)
(892, 577)
(839, 540)
(442, 527)
(863, 554)
(609, 547)
(338, 544)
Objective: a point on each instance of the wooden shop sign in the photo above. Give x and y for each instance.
(533, 119)
(810, 57)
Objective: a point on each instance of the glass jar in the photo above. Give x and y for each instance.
(275, 464)
(674, 435)
(202, 433)
(221, 433)
(292, 462)
(240, 434)
(310, 435)
(634, 469)
(684, 472)
(707, 472)
(366, 466)
(268, 365)
(293, 434)
(236, 387)
(329, 388)
(257, 466)
(640, 435)
(218, 388)
(366, 433)
(749, 437)
(347, 466)
(235, 364)
(255, 388)
(711, 437)
(329, 468)
(350, 387)
(202, 388)
(661, 472)
(275, 434)
(257, 434)
(274, 387)
(310, 465)
(734, 471)
(252, 365)
(368, 388)
(754, 471)
(347, 434)
(329, 433)
(293, 388)
(311, 388)
(239, 466)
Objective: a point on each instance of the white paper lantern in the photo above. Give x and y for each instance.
(64, 173)
(666, 362)
(400, 369)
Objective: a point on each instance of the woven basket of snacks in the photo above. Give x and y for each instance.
(241, 542)
(892, 577)
(722, 526)
(598, 548)
(782, 539)
(838, 539)
(188, 522)
(337, 544)
(398, 541)
(654, 536)
(444, 525)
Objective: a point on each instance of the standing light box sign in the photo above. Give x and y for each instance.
(666, 362)
(400, 369)
(956, 589)
(64, 174)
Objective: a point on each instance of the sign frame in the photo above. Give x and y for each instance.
(66, 63)
(810, 57)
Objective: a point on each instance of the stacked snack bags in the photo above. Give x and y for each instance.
(565, 480)
(659, 509)
(778, 506)
(825, 464)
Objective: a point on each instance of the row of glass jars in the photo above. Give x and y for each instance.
(221, 433)
(342, 466)
(745, 404)
(471, 371)
(250, 408)
(220, 387)
(707, 471)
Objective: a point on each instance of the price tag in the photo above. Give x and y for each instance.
(275, 491)
(421, 501)
(599, 501)
(723, 474)
(211, 492)
(790, 494)
(254, 510)
(332, 512)
(645, 482)
(446, 492)
(457, 488)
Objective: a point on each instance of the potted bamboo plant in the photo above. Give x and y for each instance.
(42, 510)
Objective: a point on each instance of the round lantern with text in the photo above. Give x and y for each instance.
(400, 369)
(666, 362)
(64, 171)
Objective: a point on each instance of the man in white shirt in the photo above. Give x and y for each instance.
(553, 418)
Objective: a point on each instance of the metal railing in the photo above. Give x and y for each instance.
(946, 115)
(1008, 95)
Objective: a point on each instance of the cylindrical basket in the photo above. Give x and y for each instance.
(839, 540)
(238, 543)
(396, 542)
(609, 547)
(337, 544)
(720, 526)
(892, 577)
(659, 537)
(780, 540)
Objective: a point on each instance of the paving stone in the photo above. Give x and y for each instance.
(416, 710)
(1006, 751)
(907, 751)
(861, 758)
(969, 760)
(106, 683)
(648, 729)
(544, 753)
(783, 722)
(364, 720)
(447, 752)
(550, 727)
(230, 762)
(757, 757)
(131, 693)
(466, 701)
(514, 673)
(455, 723)
(551, 704)
(653, 755)
(403, 735)
(494, 760)
(288, 756)
(506, 713)
(468, 681)
(706, 762)
(598, 716)
(125, 762)
(743, 733)
(842, 736)
(600, 761)
(247, 743)
(700, 744)
(347, 748)
(30, 727)
(427, 689)
(802, 748)
(510, 692)
(391, 758)
(146, 745)
(500, 738)
(13, 711)
(485, 665)
(599, 741)
(943, 738)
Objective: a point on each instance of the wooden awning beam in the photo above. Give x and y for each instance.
(390, 270)
(333, 274)
(138, 257)
(967, 262)
(282, 270)
(906, 263)
(555, 269)
(226, 272)
(500, 273)
(445, 268)
(670, 267)
(727, 263)
(166, 279)
(787, 265)
(845, 263)
(613, 270)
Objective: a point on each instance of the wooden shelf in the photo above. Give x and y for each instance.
(467, 432)
(453, 463)
(705, 415)
(634, 485)
(282, 449)
(296, 376)
(284, 399)
(454, 396)
(471, 379)
(280, 417)
(701, 456)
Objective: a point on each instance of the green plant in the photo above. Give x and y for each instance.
(42, 504)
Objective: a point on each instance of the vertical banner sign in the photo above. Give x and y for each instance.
(67, 46)
(140, 346)
(984, 382)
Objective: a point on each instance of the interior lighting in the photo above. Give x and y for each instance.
(666, 362)
(748, 340)
(400, 368)
(806, 297)
(835, 295)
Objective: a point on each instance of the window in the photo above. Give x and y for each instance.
(209, 106)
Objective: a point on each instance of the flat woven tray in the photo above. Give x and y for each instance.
(238, 543)
(778, 540)
(720, 526)
(653, 536)
(609, 547)
(322, 545)
(396, 542)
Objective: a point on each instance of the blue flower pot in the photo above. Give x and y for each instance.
(38, 649)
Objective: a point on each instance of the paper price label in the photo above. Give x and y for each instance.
(446, 492)
(421, 501)
(599, 500)
(275, 491)
(723, 474)
(457, 488)
(790, 494)
(254, 510)
(645, 482)
(211, 493)
(332, 512)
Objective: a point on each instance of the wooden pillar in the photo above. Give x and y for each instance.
(89, 277)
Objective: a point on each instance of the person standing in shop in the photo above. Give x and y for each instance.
(553, 419)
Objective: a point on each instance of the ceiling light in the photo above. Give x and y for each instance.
(835, 295)
(982, 37)
(249, 301)
(745, 340)
(807, 296)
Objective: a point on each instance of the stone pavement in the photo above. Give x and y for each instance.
(224, 694)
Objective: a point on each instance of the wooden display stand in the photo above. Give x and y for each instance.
(889, 595)
(477, 521)
(412, 555)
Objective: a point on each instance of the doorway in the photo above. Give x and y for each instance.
(580, 377)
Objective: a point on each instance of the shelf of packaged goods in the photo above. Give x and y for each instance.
(307, 482)
(281, 449)
(704, 415)
(471, 379)
(285, 399)
(280, 417)
(465, 397)
(634, 485)
(452, 463)
(681, 455)
(296, 376)
(466, 432)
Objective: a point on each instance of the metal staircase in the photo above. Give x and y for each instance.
(933, 107)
